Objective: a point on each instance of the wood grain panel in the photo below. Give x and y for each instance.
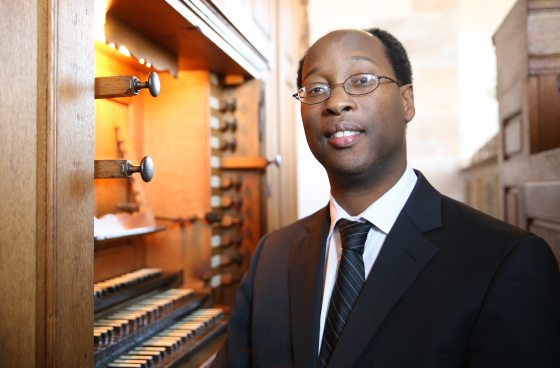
(548, 92)
(18, 207)
(513, 136)
(118, 258)
(177, 138)
(69, 184)
(542, 32)
(110, 62)
(181, 248)
(109, 193)
(542, 200)
(541, 166)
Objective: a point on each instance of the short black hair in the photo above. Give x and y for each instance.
(395, 51)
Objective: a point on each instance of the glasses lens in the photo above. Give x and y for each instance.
(314, 93)
(360, 84)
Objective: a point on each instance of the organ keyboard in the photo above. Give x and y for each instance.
(162, 327)
(114, 284)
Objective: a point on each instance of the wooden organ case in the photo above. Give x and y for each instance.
(56, 137)
(170, 253)
(528, 61)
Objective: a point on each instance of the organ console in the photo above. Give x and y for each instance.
(227, 106)
(223, 220)
(249, 162)
(220, 260)
(223, 144)
(142, 321)
(163, 308)
(212, 59)
(146, 317)
(226, 201)
(220, 279)
(225, 125)
(226, 182)
(221, 202)
(237, 202)
(225, 241)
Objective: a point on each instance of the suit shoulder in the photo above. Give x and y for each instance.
(483, 242)
(464, 218)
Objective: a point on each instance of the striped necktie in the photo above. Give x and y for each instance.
(349, 282)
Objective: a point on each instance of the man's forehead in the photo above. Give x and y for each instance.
(352, 45)
(349, 37)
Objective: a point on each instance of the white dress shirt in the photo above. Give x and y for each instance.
(382, 214)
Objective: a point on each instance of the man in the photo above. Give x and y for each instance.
(425, 282)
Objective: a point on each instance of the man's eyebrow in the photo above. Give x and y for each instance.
(313, 70)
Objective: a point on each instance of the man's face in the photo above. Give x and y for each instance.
(373, 125)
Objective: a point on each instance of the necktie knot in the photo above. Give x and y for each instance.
(353, 234)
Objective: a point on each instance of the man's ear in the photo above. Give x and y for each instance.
(407, 96)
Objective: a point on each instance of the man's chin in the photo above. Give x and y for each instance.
(346, 170)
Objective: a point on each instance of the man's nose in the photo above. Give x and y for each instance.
(339, 101)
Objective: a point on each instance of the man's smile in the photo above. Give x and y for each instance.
(345, 139)
(343, 135)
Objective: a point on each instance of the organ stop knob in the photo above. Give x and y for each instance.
(105, 169)
(125, 86)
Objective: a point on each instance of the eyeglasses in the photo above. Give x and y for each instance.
(355, 85)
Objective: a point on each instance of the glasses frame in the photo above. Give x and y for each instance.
(343, 85)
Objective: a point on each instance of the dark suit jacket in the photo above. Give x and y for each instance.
(451, 287)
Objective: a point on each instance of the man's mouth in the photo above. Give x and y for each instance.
(344, 133)
(344, 138)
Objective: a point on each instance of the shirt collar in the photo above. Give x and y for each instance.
(384, 211)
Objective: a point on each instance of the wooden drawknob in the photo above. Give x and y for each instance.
(228, 106)
(125, 86)
(106, 169)
(152, 84)
(277, 160)
(146, 168)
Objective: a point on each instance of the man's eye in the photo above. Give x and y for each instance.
(317, 90)
(363, 80)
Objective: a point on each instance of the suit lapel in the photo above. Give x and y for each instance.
(405, 253)
(307, 262)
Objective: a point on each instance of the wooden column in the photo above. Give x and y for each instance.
(65, 183)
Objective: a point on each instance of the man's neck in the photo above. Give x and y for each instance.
(355, 196)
